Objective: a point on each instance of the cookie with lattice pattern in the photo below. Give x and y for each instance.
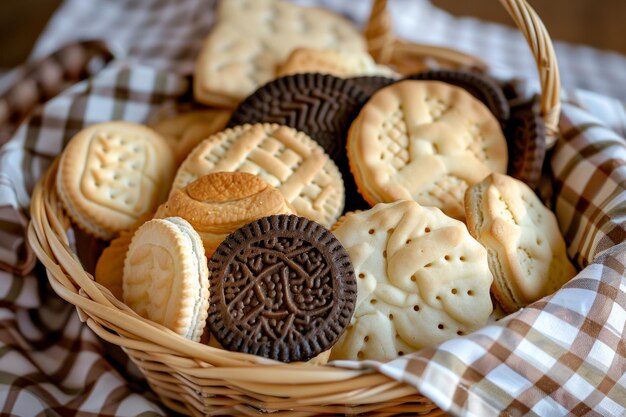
(282, 287)
(425, 141)
(286, 159)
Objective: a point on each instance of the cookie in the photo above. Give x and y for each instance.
(166, 277)
(527, 254)
(252, 37)
(478, 85)
(526, 139)
(217, 204)
(184, 131)
(286, 159)
(341, 64)
(371, 84)
(282, 287)
(422, 279)
(109, 269)
(426, 141)
(320, 105)
(112, 173)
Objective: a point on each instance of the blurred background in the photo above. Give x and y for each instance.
(597, 23)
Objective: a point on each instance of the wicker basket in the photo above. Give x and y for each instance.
(196, 379)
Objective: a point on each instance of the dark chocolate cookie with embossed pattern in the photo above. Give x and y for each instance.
(480, 86)
(282, 287)
(526, 139)
(320, 105)
(371, 84)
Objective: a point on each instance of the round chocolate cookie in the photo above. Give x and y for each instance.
(282, 287)
(371, 84)
(526, 139)
(320, 105)
(480, 86)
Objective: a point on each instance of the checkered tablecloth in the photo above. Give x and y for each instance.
(564, 355)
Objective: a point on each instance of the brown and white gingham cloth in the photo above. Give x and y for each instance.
(564, 355)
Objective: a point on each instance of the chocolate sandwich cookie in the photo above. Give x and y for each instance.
(320, 105)
(526, 139)
(282, 287)
(480, 86)
(371, 84)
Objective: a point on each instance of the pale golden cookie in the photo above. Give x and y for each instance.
(166, 278)
(286, 159)
(422, 279)
(217, 204)
(342, 64)
(527, 254)
(110, 267)
(252, 37)
(112, 173)
(184, 131)
(426, 141)
(340, 220)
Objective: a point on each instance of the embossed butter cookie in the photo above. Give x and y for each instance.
(282, 287)
(166, 277)
(426, 141)
(422, 279)
(252, 37)
(112, 173)
(284, 158)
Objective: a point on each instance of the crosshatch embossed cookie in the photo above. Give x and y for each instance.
(282, 287)
(426, 141)
(478, 85)
(421, 277)
(527, 254)
(112, 173)
(252, 37)
(286, 159)
(320, 105)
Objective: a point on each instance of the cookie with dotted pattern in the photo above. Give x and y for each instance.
(424, 140)
(112, 173)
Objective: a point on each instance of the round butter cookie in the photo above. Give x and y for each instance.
(283, 157)
(217, 204)
(282, 287)
(166, 276)
(527, 254)
(425, 141)
(112, 173)
(185, 130)
(421, 278)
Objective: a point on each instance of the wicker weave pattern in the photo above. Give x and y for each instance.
(196, 379)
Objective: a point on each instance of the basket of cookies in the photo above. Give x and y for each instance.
(336, 205)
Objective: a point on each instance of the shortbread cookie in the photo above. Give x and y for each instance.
(526, 139)
(184, 131)
(343, 218)
(217, 204)
(284, 158)
(166, 276)
(527, 254)
(110, 267)
(342, 64)
(426, 141)
(281, 287)
(478, 85)
(111, 173)
(252, 37)
(422, 279)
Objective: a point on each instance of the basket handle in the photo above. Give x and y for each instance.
(383, 46)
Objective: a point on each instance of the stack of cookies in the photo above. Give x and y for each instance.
(220, 220)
